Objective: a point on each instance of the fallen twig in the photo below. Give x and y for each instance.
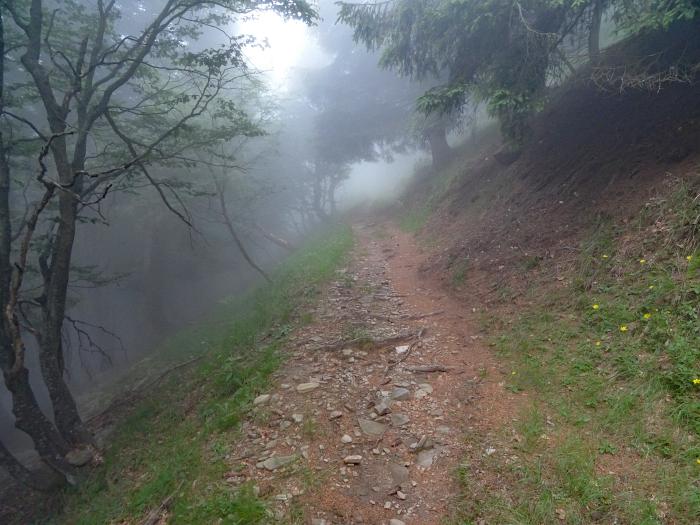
(429, 368)
(155, 515)
(367, 341)
(423, 316)
(133, 395)
(410, 348)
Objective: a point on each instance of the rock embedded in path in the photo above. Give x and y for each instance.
(401, 394)
(382, 408)
(424, 390)
(79, 457)
(346, 439)
(261, 399)
(352, 460)
(426, 458)
(394, 521)
(399, 474)
(297, 418)
(335, 414)
(307, 387)
(399, 420)
(276, 462)
(371, 427)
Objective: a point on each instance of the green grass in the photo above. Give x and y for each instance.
(608, 365)
(413, 219)
(460, 270)
(174, 442)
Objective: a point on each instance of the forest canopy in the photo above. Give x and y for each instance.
(502, 52)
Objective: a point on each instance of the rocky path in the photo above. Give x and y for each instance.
(366, 422)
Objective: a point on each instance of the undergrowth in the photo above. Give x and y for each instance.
(431, 186)
(611, 367)
(174, 443)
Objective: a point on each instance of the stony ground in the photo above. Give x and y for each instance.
(368, 419)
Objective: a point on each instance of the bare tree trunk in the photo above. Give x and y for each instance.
(43, 481)
(56, 278)
(439, 148)
(318, 196)
(30, 419)
(594, 33)
(28, 415)
(332, 188)
(66, 416)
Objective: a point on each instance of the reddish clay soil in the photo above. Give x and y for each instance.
(594, 157)
(406, 469)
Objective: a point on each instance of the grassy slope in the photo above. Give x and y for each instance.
(175, 441)
(609, 360)
(609, 363)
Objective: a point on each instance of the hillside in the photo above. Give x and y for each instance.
(579, 262)
(515, 340)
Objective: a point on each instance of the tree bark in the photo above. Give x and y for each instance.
(30, 419)
(318, 196)
(594, 32)
(28, 415)
(65, 410)
(35, 480)
(439, 148)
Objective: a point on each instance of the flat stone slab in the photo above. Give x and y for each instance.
(371, 427)
(276, 462)
(307, 387)
(426, 458)
(401, 394)
(261, 400)
(399, 473)
(79, 457)
(399, 420)
(383, 407)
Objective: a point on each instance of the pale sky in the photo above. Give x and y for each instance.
(291, 44)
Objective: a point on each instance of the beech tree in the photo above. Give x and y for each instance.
(95, 106)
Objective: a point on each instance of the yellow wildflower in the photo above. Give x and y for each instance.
(642, 261)
(651, 287)
(689, 258)
(623, 328)
(596, 306)
(605, 256)
(698, 461)
(647, 315)
(696, 381)
(598, 343)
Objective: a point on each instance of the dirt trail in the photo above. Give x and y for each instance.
(368, 419)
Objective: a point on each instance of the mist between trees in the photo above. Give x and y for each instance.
(147, 171)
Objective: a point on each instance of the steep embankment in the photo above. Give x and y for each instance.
(580, 261)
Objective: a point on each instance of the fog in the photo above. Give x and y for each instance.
(322, 129)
